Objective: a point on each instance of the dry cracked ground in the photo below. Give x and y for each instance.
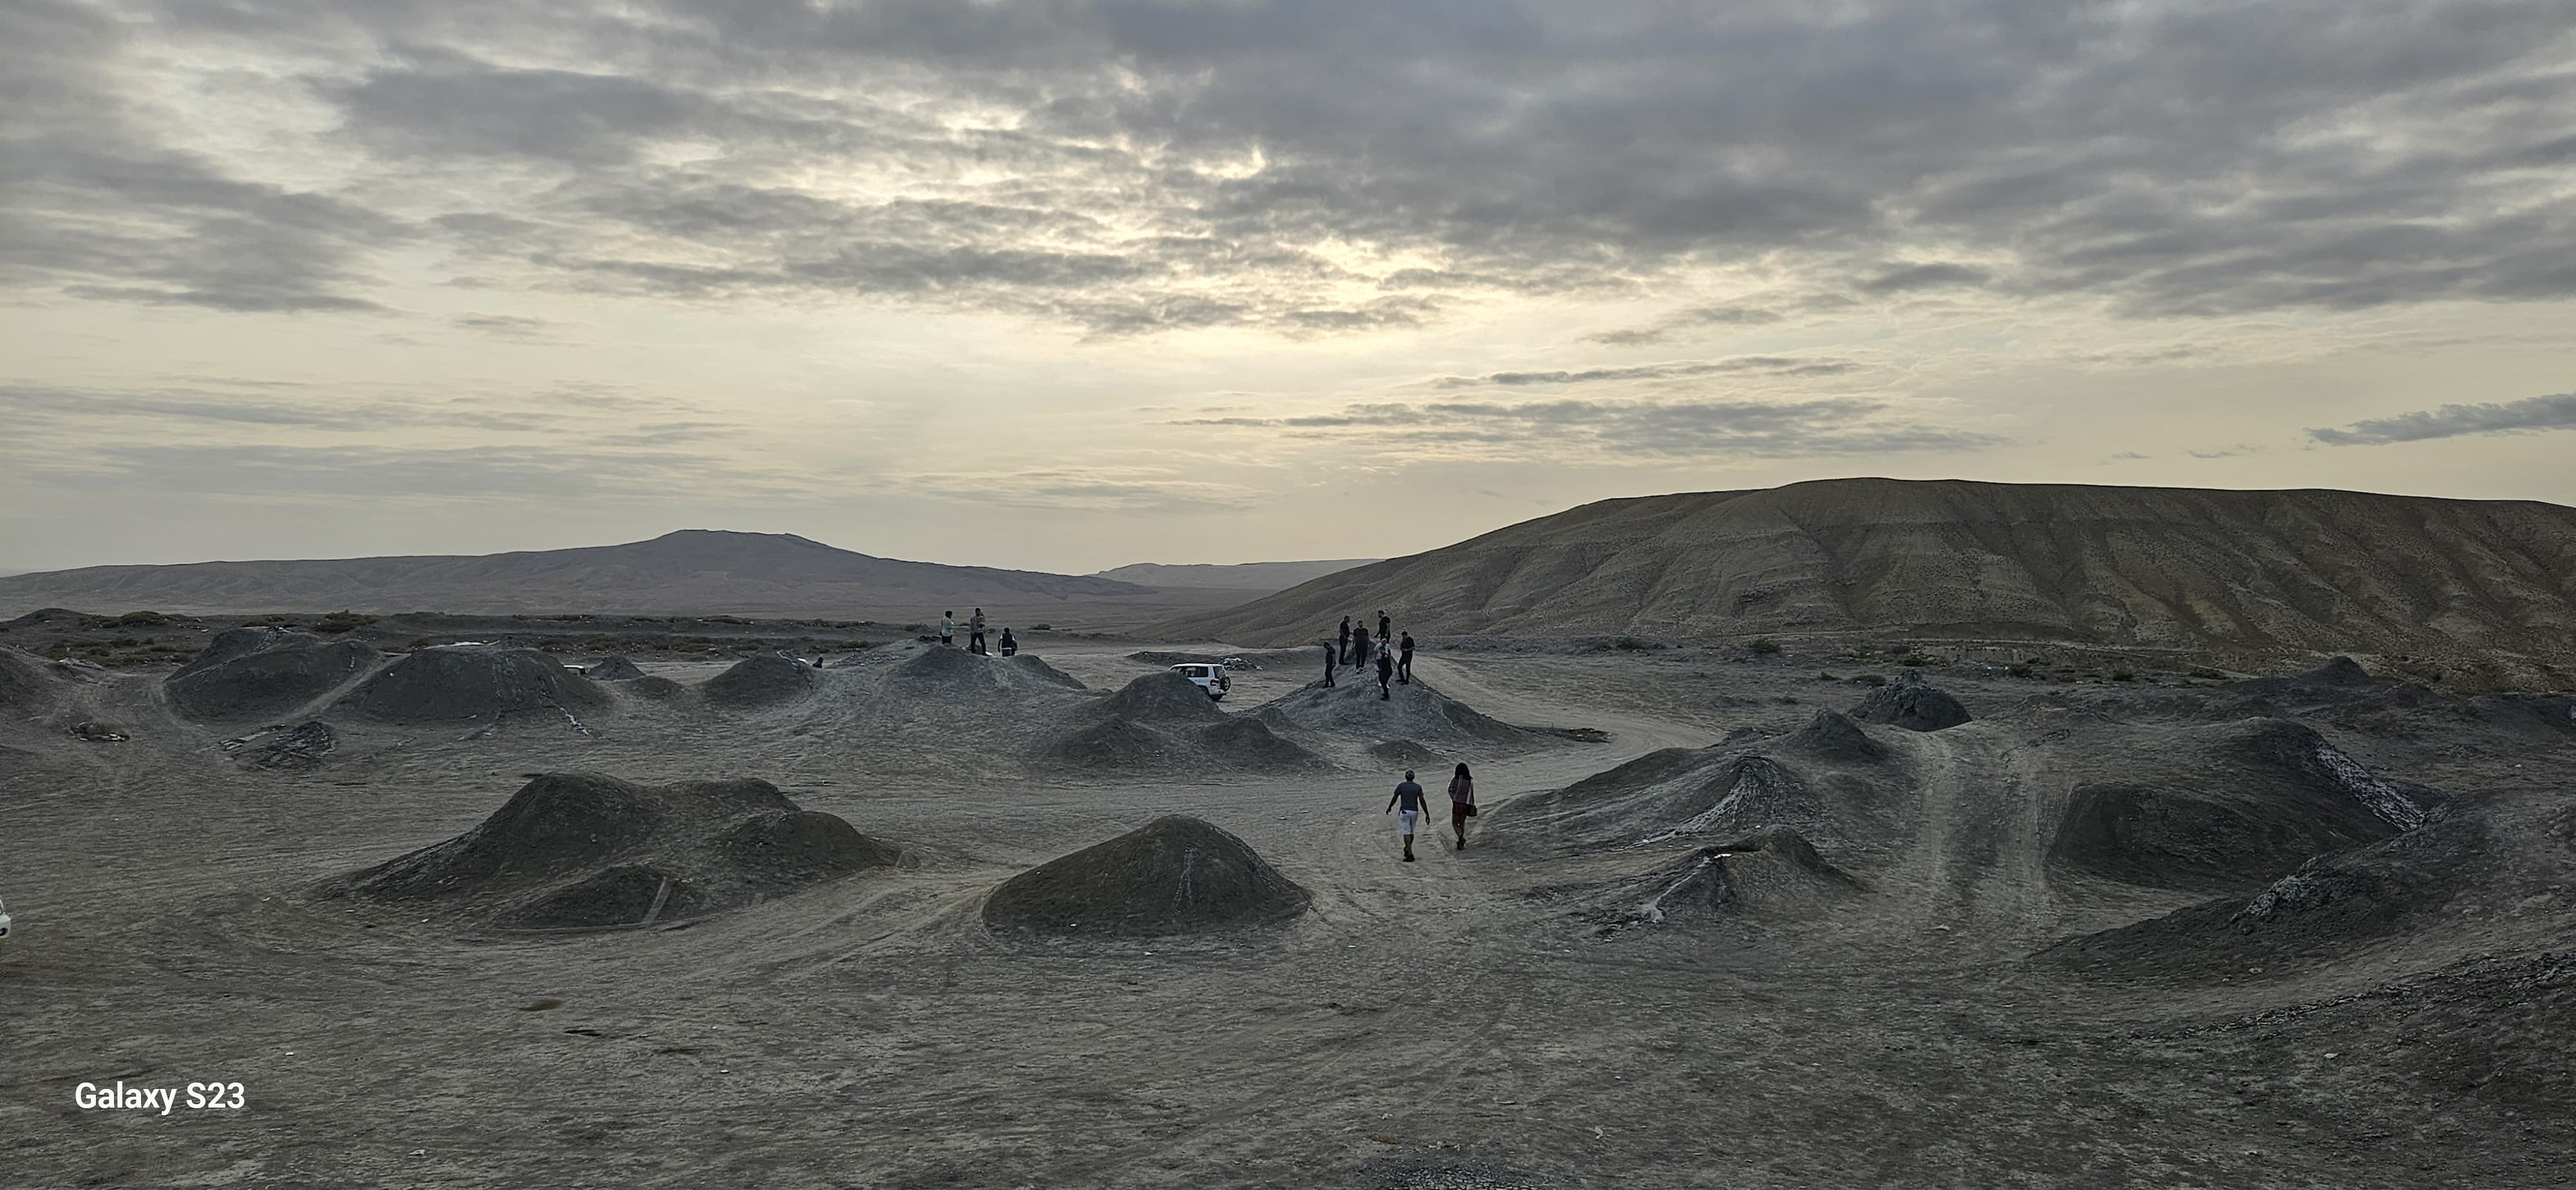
(2076, 941)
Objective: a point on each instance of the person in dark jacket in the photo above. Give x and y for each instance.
(1346, 640)
(1385, 670)
(1328, 663)
(1385, 627)
(1404, 664)
(1360, 654)
(975, 632)
(1408, 796)
(1009, 647)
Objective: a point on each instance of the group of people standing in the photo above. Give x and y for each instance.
(974, 634)
(1352, 646)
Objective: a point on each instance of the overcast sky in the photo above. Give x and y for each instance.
(1069, 284)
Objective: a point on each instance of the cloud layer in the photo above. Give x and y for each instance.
(2529, 415)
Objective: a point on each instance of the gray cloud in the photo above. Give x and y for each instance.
(1131, 166)
(1686, 320)
(1766, 365)
(26, 403)
(2526, 416)
(1688, 428)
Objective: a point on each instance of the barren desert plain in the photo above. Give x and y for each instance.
(1731, 916)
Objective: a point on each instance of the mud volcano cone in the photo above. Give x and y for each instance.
(1174, 875)
(1912, 703)
(616, 668)
(765, 680)
(472, 682)
(263, 673)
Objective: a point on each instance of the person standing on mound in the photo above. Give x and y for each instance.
(1385, 629)
(1346, 640)
(1462, 803)
(1360, 654)
(1404, 665)
(975, 633)
(947, 628)
(1385, 670)
(1328, 665)
(1407, 804)
(1010, 648)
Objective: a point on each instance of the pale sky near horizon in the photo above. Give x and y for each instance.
(1072, 284)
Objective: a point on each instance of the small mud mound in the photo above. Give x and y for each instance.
(1771, 872)
(617, 668)
(1174, 875)
(760, 681)
(1030, 670)
(1353, 711)
(472, 682)
(263, 673)
(584, 850)
(1113, 743)
(1911, 703)
(2333, 906)
(936, 674)
(294, 750)
(1162, 698)
(1249, 743)
(2338, 671)
(2231, 806)
(653, 686)
(1404, 753)
(1832, 736)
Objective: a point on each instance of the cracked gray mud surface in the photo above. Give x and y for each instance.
(1460, 1021)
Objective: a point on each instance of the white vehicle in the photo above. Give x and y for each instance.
(4, 922)
(1210, 678)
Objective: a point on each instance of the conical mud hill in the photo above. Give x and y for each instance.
(1830, 780)
(1174, 875)
(454, 682)
(1352, 710)
(1772, 872)
(25, 685)
(1912, 703)
(584, 850)
(1165, 721)
(263, 673)
(614, 668)
(765, 679)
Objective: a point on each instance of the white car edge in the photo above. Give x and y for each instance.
(4, 922)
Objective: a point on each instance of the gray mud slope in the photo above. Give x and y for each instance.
(616, 667)
(1830, 780)
(1772, 872)
(27, 684)
(471, 682)
(759, 681)
(1174, 875)
(1165, 722)
(1352, 713)
(2224, 806)
(1912, 703)
(576, 850)
(264, 673)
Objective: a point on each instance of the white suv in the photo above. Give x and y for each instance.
(1210, 678)
(4, 922)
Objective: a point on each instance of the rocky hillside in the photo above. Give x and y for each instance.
(2318, 570)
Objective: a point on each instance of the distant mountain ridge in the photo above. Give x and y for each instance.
(1241, 576)
(692, 570)
(2306, 569)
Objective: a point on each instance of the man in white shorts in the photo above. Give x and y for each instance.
(1407, 804)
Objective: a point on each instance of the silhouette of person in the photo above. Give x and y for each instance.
(1385, 670)
(1346, 640)
(1009, 647)
(1404, 667)
(1328, 663)
(948, 628)
(975, 632)
(1360, 646)
(1383, 632)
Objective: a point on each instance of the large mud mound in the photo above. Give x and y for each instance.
(582, 850)
(263, 673)
(1772, 872)
(1250, 744)
(1118, 743)
(1830, 780)
(25, 684)
(1911, 703)
(935, 673)
(1162, 698)
(2230, 806)
(760, 681)
(1174, 875)
(472, 682)
(2332, 907)
(1352, 711)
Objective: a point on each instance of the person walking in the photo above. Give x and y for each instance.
(947, 628)
(1385, 670)
(1462, 803)
(975, 633)
(1404, 665)
(1407, 804)
(1328, 665)
(1360, 655)
(1010, 648)
(1383, 626)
